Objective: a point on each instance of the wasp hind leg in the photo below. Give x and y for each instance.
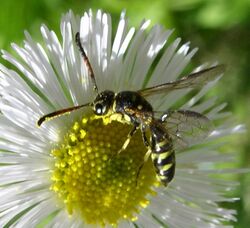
(147, 155)
(144, 138)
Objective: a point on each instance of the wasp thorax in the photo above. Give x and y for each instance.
(103, 102)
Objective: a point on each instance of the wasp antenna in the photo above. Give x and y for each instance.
(86, 61)
(59, 113)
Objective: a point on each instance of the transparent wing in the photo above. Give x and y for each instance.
(186, 127)
(193, 80)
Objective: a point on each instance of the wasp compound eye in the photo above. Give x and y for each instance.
(100, 109)
(103, 102)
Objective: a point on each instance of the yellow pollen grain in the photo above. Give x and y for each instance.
(92, 180)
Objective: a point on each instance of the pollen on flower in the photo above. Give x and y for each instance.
(93, 180)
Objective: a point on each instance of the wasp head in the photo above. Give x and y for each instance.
(103, 102)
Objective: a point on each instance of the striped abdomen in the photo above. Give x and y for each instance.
(163, 155)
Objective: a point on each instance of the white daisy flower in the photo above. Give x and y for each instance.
(67, 172)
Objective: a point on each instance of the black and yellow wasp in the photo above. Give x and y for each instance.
(168, 131)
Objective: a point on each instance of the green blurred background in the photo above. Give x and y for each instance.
(220, 28)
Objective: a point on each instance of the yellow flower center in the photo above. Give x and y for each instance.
(93, 180)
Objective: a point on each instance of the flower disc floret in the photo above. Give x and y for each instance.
(91, 178)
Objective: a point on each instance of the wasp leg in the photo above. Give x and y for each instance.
(127, 141)
(148, 153)
(146, 156)
(144, 138)
(125, 144)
